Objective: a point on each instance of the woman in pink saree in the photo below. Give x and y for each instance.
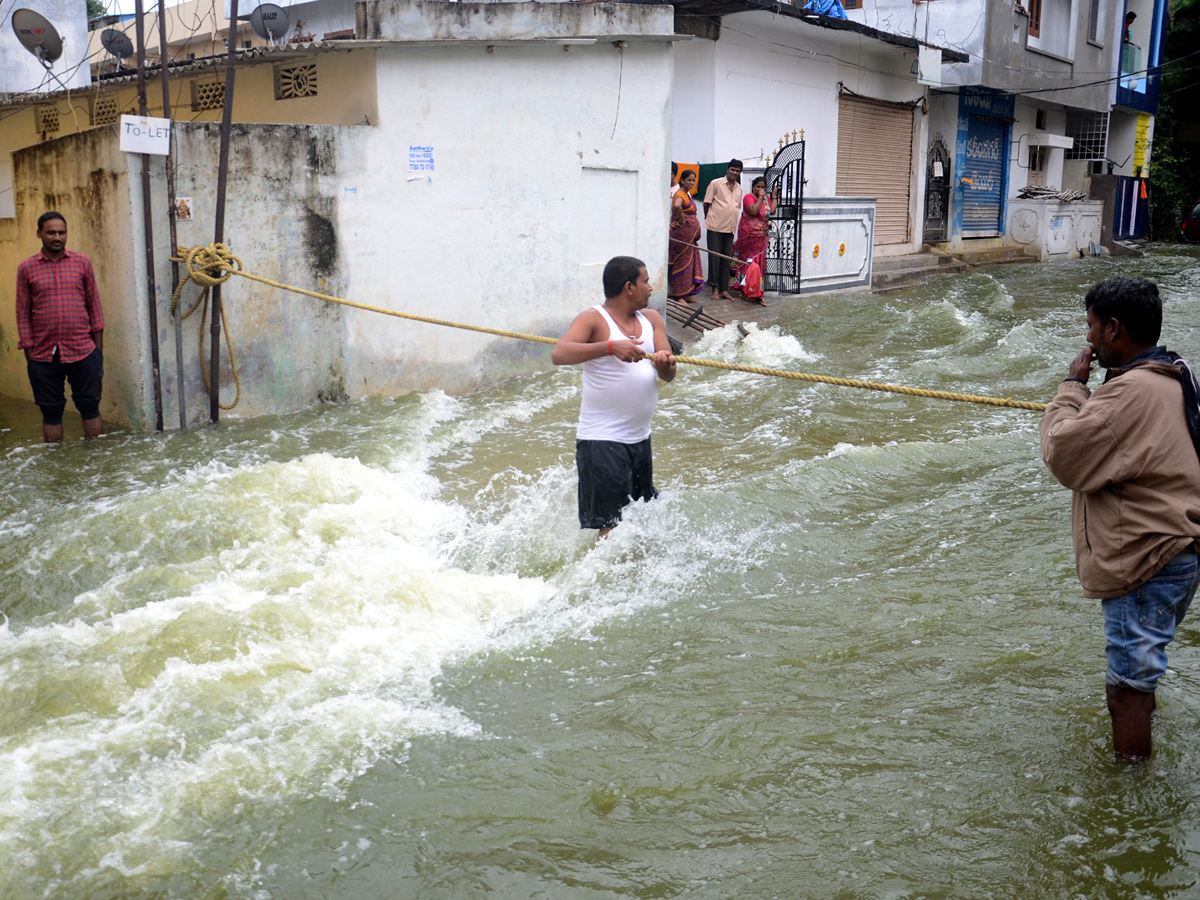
(687, 272)
(751, 244)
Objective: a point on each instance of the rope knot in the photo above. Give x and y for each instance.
(209, 265)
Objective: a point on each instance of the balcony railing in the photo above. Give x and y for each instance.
(1131, 59)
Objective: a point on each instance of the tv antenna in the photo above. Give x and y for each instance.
(117, 43)
(268, 21)
(38, 36)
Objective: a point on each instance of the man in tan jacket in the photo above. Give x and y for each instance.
(1130, 453)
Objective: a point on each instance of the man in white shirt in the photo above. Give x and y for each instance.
(722, 205)
(624, 350)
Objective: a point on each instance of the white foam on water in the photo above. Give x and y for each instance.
(278, 664)
(766, 347)
(268, 630)
(1023, 339)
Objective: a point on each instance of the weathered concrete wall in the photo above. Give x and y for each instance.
(422, 20)
(345, 96)
(87, 179)
(282, 221)
(530, 196)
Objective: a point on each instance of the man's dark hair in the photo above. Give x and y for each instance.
(619, 271)
(674, 168)
(47, 216)
(1131, 300)
(735, 164)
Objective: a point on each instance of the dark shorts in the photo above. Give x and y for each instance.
(611, 475)
(84, 375)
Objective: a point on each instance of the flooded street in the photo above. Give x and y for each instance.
(365, 651)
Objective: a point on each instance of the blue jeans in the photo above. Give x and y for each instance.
(1139, 625)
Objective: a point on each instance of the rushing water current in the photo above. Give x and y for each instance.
(365, 651)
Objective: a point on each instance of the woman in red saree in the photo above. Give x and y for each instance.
(751, 244)
(683, 257)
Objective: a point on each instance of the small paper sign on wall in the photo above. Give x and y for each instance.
(420, 162)
(140, 134)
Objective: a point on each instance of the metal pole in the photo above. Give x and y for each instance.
(214, 406)
(148, 226)
(166, 92)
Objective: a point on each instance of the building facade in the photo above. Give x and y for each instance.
(1055, 93)
(473, 163)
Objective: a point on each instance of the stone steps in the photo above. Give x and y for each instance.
(994, 256)
(891, 272)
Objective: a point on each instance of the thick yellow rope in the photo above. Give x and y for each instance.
(214, 264)
(201, 262)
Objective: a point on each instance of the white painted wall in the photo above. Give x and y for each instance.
(770, 75)
(1025, 133)
(506, 233)
(1122, 141)
(693, 116)
(958, 24)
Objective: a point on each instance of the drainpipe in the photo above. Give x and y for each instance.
(166, 92)
(214, 406)
(148, 225)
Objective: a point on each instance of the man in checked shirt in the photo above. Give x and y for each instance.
(61, 328)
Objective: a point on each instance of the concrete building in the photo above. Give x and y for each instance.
(755, 71)
(472, 162)
(1040, 105)
(197, 29)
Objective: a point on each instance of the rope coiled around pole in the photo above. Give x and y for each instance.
(209, 266)
(215, 264)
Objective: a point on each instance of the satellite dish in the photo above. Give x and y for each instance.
(117, 43)
(37, 35)
(269, 21)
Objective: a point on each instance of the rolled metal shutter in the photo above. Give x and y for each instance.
(984, 166)
(874, 159)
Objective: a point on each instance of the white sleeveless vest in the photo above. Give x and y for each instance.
(619, 397)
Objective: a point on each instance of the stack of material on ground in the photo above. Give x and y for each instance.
(1034, 192)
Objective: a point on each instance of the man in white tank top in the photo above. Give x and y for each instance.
(624, 350)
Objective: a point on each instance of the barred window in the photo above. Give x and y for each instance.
(293, 81)
(207, 95)
(1090, 131)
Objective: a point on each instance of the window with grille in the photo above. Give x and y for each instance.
(207, 95)
(295, 81)
(1090, 131)
(105, 110)
(852, 4)
(47, 119)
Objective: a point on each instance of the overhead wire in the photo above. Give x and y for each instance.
(801, 53)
